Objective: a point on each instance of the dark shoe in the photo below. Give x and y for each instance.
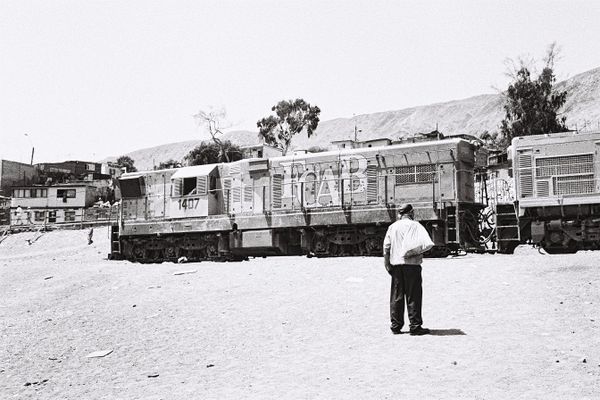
(418, 331)
(397, 331)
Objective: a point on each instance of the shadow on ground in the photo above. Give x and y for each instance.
(446, 332)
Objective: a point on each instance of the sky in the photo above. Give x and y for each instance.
(90, 79)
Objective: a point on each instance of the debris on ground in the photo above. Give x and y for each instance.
(4, 235)
(35, 238)
(36, 382)
(191, 271)
(99, 353)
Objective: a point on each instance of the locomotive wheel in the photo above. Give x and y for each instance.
(507, 247)
(569, 248)
(320, 245)
(155, 255)
(137, 252)
(373, 246)
(172, 253)
(212, 248)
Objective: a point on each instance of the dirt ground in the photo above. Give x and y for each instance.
(504, 327)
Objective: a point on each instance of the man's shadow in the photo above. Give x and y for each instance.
(446, 332)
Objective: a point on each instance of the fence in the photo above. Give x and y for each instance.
(47, 218)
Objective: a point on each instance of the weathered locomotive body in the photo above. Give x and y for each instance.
(558, 190)
(321, 204)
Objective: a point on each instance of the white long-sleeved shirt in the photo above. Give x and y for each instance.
(395, 242)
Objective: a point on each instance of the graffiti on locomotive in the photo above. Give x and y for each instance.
(321, 182)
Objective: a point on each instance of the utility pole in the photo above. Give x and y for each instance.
(356, 130)
(32, 148)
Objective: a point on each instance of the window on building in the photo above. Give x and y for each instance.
(39, 216)
(38, 193)
(69, 215)
(51, 216)
(66, 193)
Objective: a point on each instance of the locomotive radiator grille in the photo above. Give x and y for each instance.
(425, 173)
(235, 169)
(525, 175)
(237, 194)
(564, 165)
(226, 194)
(277, 192)
(371, 183)
(542, 188)
(247, 194)
(569, 175)
(580, 184)
(415, 174)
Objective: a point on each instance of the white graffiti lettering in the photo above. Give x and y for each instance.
(319, 185)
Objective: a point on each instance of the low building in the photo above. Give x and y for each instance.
(71, 171)
(260, 151)
(374, 143)
(4, 210)
(15, 173)
(111, 169)
(42, 205)
(351, 144)
(343, 144)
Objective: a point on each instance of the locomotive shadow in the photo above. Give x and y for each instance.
(446, 332)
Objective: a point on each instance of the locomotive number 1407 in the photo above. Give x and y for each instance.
(188, 204)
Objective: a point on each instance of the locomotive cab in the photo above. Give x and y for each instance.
(195, 192)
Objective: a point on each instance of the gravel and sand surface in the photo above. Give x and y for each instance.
(525, 326)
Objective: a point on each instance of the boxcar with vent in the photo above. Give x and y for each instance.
(318, 204)
(558, 190)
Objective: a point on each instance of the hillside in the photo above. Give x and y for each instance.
(473, 116)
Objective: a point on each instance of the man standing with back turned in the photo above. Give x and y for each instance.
(405, 242)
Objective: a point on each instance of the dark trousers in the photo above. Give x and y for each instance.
(406, 282)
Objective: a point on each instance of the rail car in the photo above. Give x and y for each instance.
(557, 190)
(333, 203)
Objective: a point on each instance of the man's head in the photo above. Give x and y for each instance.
(406, 211)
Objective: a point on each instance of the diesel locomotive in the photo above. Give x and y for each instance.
(333, 203)
(557, 190)
(341, 202)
